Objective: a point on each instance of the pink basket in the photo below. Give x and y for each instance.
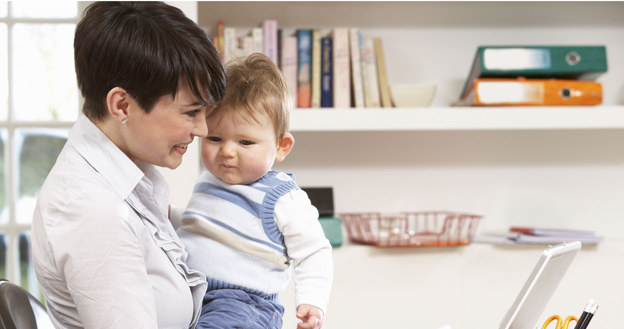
(411, 229)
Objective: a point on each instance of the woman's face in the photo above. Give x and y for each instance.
(162, 136)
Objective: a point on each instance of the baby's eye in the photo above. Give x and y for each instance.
(214, 138)
(246, 142)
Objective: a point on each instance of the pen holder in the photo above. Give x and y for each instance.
(411, 229)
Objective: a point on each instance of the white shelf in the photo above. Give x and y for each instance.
(458, 118)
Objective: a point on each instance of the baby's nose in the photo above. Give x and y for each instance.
(228, 150)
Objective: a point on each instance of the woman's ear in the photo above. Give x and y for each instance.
(284, 146)
(117, 104)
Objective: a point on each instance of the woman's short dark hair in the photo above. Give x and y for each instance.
(150, 49)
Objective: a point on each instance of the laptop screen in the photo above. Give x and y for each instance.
(540, 286)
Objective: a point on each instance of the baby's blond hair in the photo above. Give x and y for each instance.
(255, 86)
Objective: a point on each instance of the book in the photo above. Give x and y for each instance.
(564, 62)
(553, 239)
(316, 68)
(356, 68)
(246, 44)
(230, 48)
(327, 75)
(363, 70)
(304, 68)
(258, 42)
(527, 236)
(531, 92)
(269, 37)
(341, 68)
(550, 232)
(218, 40)
(289, 64)
(279, 46)
(382, 74)
(371, 98)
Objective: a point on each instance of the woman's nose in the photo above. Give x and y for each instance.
(199, 126)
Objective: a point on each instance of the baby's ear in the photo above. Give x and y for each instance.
(284, 145)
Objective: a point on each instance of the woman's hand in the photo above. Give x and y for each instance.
(311, 317)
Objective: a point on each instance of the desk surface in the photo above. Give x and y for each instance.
(427, 288)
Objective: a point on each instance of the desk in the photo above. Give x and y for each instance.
(389, 288)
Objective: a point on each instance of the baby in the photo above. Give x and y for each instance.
(246, 225)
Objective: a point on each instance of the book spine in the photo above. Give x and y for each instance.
(326, 72)
(248, 47)
(341, 68)
(218, 39)
(370, 65)
(279, 46)
(356, 68)
(239, 50)
(289, 64)
(230, 44)
(523, 230)
(365, 86)
(384, 86)
(256, 34)
(475, 71)
(316, 68)
(269, 28)
(304, 71)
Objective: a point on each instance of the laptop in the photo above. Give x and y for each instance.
(540, 286)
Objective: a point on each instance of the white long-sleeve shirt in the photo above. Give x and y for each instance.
(313, 270)
(105, 253)
(223, 255)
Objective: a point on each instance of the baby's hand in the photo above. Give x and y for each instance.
(311, 317)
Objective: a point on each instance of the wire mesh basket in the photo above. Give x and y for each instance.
(411, 229)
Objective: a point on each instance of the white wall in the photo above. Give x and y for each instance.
(535, 178)
(546, 178)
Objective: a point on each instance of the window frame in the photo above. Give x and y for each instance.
(12, 229)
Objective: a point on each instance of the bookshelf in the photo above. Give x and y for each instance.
(561, 167)
(459, 119)
(434, 42)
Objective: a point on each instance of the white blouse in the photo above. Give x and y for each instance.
(105, 253)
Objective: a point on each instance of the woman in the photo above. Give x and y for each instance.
(105, 253)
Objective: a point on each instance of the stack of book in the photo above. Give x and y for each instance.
(535, 76)
(528, 235)
(342, 69)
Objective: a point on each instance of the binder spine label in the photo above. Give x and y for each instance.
(510, 92)
(516, 59)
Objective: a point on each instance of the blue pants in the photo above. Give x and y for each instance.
(236, 309)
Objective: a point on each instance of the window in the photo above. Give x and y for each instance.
(39, 102)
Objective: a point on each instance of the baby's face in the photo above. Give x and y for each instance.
(239, 151)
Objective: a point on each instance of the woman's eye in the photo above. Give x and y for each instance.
(246, 142)
(193, 113)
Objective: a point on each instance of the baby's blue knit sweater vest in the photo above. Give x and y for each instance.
(231, 236)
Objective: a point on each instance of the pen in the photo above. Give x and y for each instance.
(587, 314)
